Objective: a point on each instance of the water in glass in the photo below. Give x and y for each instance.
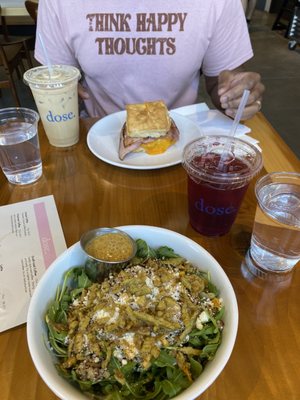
(275, 242)
(19, 153)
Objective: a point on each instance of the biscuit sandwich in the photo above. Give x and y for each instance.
(148, 128)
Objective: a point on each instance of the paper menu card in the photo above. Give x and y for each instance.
(31, 238)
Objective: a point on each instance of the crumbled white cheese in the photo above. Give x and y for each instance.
(118, 353)
(115, 316)
(85, 340)
(129, 337)
(152, 296)
(122, 299)
(129, 348)
(199, 325)
(85, 300)
(100, 314)
(149, 282)
(202, 318)
(176, 293)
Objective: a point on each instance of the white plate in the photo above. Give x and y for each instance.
(103, 141)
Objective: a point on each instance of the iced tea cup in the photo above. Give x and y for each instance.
(219, 170)
(275, 241)
(56, 98)
(20, 157)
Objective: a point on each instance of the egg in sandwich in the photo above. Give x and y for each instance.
(148, 128)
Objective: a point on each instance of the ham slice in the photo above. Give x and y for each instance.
(129, 144)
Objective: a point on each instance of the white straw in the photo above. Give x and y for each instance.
(239, 113)
(49, 65)
(234, 126)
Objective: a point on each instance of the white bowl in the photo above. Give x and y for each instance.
(155, 237)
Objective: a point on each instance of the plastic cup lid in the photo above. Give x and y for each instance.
(61, 75)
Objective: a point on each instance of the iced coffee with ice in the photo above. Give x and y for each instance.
(56, 97)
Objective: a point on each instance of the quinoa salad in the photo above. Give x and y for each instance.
(146, 331)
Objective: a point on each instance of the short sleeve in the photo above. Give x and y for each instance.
(230, 44)
(53, 30)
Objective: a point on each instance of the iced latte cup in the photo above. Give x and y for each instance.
(56, 98)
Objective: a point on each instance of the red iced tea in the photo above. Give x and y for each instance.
(213, 206)
(219, 170)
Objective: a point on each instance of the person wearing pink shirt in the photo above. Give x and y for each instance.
(134, 51)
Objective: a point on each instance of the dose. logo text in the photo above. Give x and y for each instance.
(59, 117)
(211, 210)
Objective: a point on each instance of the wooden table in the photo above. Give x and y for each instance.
(265, 362)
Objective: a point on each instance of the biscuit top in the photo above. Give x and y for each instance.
(147, 119)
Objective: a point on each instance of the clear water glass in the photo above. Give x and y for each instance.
(20, 157)
(275, 241)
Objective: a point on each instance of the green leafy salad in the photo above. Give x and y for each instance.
(145, 332)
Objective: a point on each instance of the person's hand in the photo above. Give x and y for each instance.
(83, 94)
(231, 85)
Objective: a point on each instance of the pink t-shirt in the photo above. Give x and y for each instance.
(133, 51)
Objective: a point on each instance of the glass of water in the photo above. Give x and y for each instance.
(275, 241)
(20, 157)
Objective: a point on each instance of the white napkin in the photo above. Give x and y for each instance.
(213, 122)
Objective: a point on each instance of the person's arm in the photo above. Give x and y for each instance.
(226, 91)
(229, 48)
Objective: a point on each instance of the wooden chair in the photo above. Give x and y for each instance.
(32, 8)
(12, 53)
(12, 61)
(4, 27)
(10, 39)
